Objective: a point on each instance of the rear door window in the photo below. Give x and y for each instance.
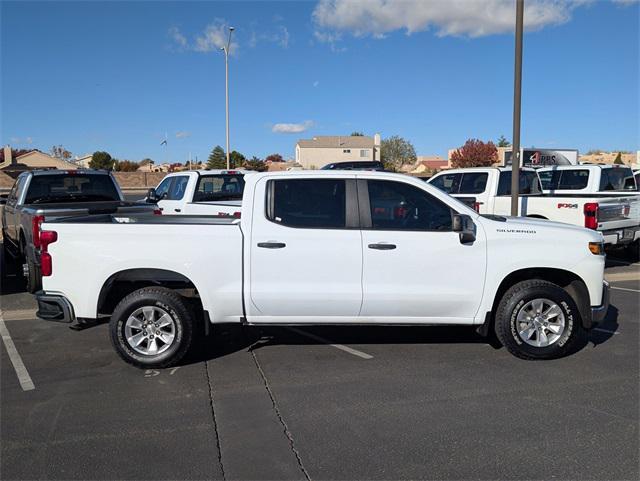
(450, 183)
(529, 183)
(617, 179)
(400, 206)
(473, 183)
(307, 203)
(564, 179)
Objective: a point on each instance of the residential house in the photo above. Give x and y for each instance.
(33, 160)
(429, 163)
(319, 151)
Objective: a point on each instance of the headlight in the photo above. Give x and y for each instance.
(596, 248)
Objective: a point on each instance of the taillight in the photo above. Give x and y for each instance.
(35, 229)
(46, 237)
(237, 214)
(157, 211)
(476, 206)
(591, 215)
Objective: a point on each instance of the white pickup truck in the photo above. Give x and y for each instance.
(331, 247)
(588, 179)
(616, 215)
(200, 192)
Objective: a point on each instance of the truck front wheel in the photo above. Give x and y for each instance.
(151, 328)
(537, 319)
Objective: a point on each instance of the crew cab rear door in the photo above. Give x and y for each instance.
(415, 268)
(305, 250)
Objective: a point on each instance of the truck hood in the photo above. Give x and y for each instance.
(527, 225)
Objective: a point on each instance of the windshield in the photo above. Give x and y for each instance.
(219, 187)
(64, 187)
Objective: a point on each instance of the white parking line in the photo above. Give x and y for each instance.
(605, 330)
(21, 371)
(624, 289)
(348, 349)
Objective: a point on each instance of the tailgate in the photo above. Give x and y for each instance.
(616, 213)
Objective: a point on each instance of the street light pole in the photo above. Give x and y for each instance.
(226, 85)
(517, 96)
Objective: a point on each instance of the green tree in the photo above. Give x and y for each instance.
(101, 160)
(503, 142)
(618, 159)
(274, 158)
(236, 159)
(357, 134)
(125, 166)
(396, 152)
(256, 164)
(217, 159)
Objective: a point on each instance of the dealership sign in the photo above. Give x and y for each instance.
(544, 157)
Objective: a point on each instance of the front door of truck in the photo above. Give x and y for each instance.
(306, 253)
(415, 269)
(174, 191)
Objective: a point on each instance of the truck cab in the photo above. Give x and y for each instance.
(587, 179)
(208, 192)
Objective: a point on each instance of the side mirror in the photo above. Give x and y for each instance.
(463, 224)
(152, 196)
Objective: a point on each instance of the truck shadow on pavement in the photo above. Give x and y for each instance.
(229, 339)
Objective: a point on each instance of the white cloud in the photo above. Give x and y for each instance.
(213, 37)
(179, 39)
(292, 128)
(21, 140)
(280, 37)
(470, 18)
(183, 134)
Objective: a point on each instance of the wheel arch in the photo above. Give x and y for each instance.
(124, 282)
(571, 282)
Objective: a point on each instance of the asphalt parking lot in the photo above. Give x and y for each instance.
(321, 403)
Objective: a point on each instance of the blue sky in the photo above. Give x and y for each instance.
(116, 76)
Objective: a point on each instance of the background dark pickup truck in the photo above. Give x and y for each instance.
(53, 194)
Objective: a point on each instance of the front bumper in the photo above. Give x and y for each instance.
(598, 313)
(54, 307)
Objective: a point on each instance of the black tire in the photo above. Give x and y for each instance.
(632, 251)
(32, 280)
(165, 300)
(517, 298)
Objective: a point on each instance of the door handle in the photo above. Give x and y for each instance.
(177, 210)
(381, 246)
(272, 245)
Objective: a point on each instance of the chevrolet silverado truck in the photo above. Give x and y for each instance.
(616, 215)
(325, 247)
(48, 194)
(207, 192)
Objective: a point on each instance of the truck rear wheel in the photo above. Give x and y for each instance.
(537, 319)
(151, 328)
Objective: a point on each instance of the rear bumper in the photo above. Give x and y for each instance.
(598, 313)
(621, 236)
(54, 307)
